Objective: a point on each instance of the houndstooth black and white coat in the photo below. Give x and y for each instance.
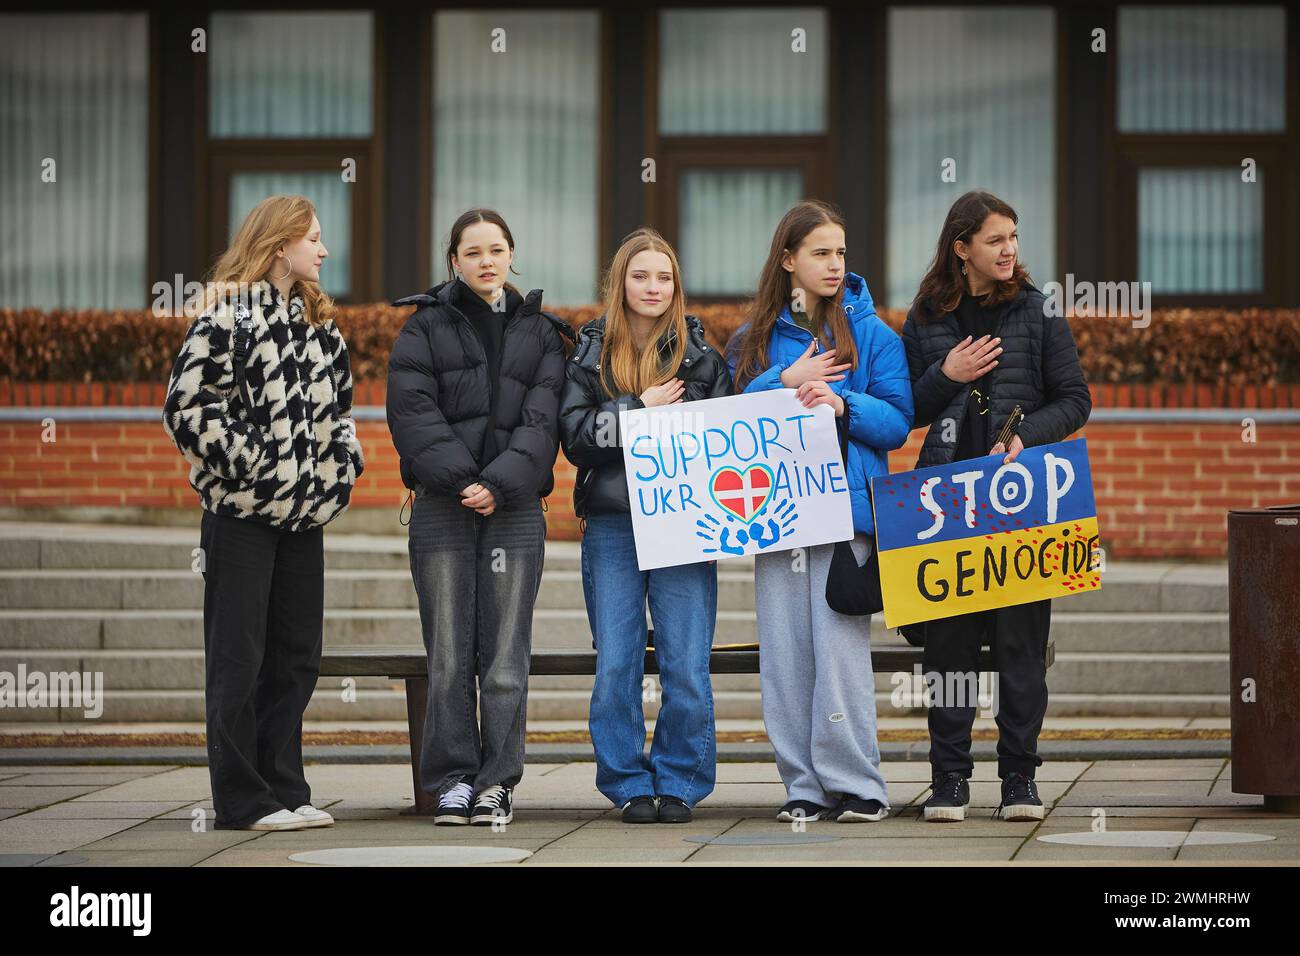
(292, 459)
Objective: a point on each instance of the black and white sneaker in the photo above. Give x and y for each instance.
(948, 801)
(492, 805)
(856, 810)
(804, 810)
(453, 805)
(1020, 800)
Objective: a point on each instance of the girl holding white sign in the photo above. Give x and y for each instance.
(980, 344)
(644, 351)
(813, 328)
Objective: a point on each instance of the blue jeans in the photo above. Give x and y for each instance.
(683, 606)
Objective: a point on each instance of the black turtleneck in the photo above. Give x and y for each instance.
(976, 321)
(489, 325)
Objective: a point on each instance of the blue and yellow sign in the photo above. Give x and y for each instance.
(980, 534)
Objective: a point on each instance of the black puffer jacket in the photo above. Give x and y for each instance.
(589, 416)
(1038, 370)
(439, 399)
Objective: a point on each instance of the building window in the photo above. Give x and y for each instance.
(742, 105)
(1200, 127)
(1202, 69)
(972, 93)
(327, 192)
(74, 167)
(291, 111)
(518, 131)
(755, 71)
(727, 221)
(1200, 231)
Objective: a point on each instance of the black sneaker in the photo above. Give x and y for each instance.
(856, 810)
(949, 799)
(453, 804)
(640, 810)
(673, 810)
(801, 810)
(1020, 800)
(492, 805)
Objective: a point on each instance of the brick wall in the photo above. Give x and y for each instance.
(1163, 490)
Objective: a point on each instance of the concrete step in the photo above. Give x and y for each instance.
(560, 589)
(180, 628)
(1133, 674)
(1128, 588)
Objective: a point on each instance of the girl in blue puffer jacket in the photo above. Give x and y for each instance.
(812, 328)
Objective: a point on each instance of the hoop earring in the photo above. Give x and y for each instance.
(280, 255)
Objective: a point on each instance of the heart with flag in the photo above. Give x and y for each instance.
(742, 494)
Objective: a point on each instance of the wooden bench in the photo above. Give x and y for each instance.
(408, 664)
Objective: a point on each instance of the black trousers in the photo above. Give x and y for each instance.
(263, 619)
(1017, 637)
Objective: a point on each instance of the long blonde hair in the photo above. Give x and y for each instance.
(627, 369)
(252, 254)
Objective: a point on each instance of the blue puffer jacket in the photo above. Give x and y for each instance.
(877, 394)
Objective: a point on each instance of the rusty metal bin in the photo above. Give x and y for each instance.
(1264, 651)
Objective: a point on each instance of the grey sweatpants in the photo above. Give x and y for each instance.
(819, 692)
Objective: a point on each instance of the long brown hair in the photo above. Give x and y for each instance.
(775, 289)
(252, 253)
(625, 368)
(943, 285)
(468, 218)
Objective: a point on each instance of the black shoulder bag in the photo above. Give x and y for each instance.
(853, 588)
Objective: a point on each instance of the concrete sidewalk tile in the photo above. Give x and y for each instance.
(131, 858)
(161, 834)
(82, 778)
(81, 810)
(1153, 770)
(1114, 823)
(898, 826)
(1036, 851)
(24, 835)
(585, 856)
(27, 798)
(182, 783)
(1274, 851)
(864, 850)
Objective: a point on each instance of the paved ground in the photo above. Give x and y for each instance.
(1151, 810)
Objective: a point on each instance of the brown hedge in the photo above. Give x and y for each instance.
(1218, 346)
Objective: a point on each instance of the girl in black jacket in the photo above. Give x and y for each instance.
(644, 351)
(979, 342)
(274, 456)
(473, 392)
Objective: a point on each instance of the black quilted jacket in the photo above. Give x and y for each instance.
(1038, 370)
(440, 399)
(589, 416)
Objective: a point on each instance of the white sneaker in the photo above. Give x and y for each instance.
(317, 818)
(281, 820)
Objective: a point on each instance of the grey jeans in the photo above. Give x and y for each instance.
(476, 579)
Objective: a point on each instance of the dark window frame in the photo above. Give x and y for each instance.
(217, 158)
(1277, 156)
(813, 154)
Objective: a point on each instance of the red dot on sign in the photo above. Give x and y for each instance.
(891, 492)
(900, 504)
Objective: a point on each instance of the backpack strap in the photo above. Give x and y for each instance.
(243, 334)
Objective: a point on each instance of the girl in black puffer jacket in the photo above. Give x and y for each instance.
(644, 351)
(980, 342)
(473, 393)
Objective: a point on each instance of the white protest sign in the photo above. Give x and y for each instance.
(734, 476)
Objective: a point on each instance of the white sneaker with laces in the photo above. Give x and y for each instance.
(318, 818)
(281, 820)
